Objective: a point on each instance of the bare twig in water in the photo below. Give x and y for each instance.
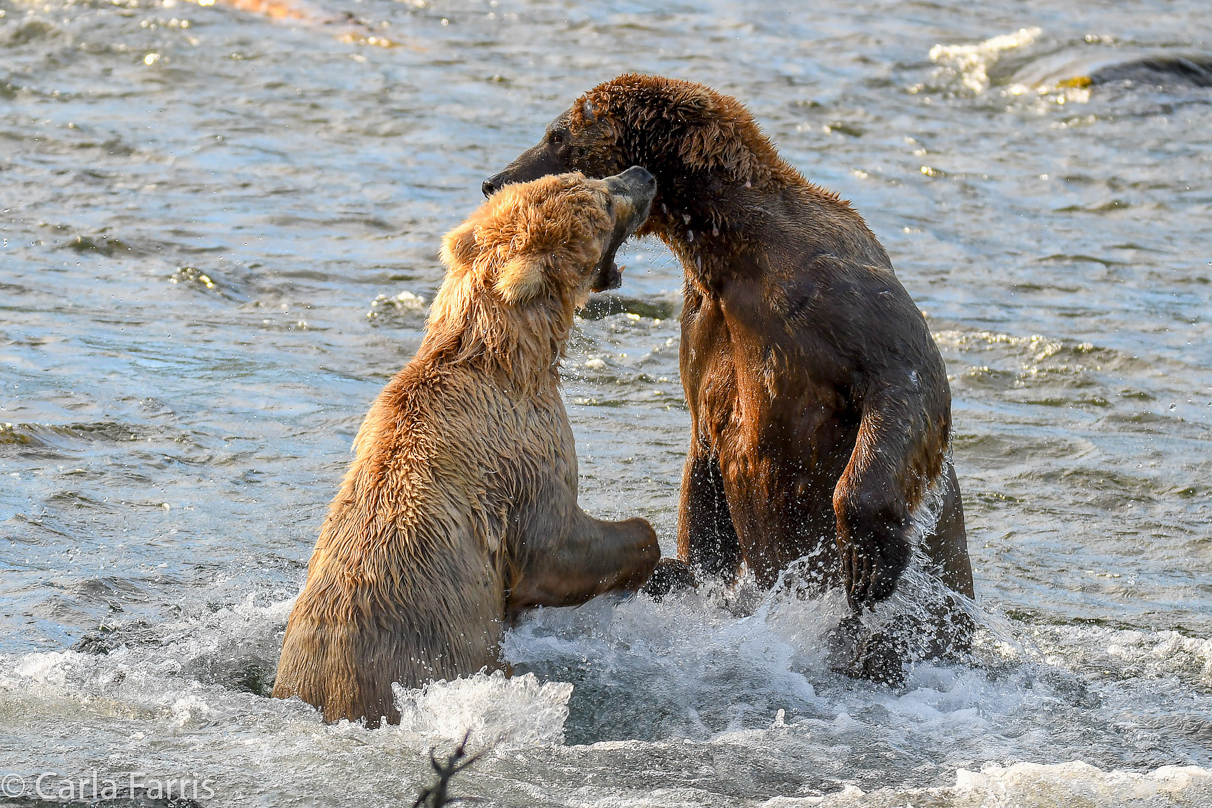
(436, 795)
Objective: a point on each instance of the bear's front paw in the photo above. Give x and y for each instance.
(872, 568)
(641, 552)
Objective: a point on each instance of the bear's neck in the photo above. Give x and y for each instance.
(724, 192)
(718, 226)
(520, 347)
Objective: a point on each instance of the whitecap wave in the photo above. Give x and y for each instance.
(967, 66)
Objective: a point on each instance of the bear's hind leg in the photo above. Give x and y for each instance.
(672, 575)
(707, 538)
(947, 544)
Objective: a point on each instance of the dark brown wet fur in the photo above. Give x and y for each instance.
(460, 509)
(820, 407)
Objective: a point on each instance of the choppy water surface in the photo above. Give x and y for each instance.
(215, 232)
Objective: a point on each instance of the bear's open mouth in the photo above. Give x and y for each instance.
(633, 191)
(607, 275)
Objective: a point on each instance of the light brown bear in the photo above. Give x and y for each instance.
(460, 508)
(819, 403)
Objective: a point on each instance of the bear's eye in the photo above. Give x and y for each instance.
(557, 138)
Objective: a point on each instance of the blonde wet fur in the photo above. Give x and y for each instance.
(460, 508)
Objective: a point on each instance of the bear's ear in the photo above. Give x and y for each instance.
(459, 246)
(521, 278)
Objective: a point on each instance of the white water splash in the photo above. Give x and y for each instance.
(403, 305)
(971, 62)
(495, 710)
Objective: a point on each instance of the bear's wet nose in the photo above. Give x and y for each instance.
(489, 187)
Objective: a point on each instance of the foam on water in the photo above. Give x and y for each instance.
(496, 711)
(691, 668)
(405, 306)
(970, 63)
(700, 677)
(1028, 785)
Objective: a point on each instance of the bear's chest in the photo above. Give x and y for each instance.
(756, 396)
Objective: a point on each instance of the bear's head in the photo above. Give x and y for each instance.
(555, 236)
(529, 256)
(686, 134)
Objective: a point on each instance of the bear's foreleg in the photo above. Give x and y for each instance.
(898, 453)
(593, 557)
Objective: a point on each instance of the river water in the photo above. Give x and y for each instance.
(217, 240)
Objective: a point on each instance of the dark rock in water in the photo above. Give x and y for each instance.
(1067, 69)
(99, 243)
(1194, 71)
(246, 664)
(255, 679)
(600, 306)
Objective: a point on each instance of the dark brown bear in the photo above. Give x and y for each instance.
(819, 403)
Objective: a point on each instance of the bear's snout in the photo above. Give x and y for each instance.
(639, 176)
(638, 187)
